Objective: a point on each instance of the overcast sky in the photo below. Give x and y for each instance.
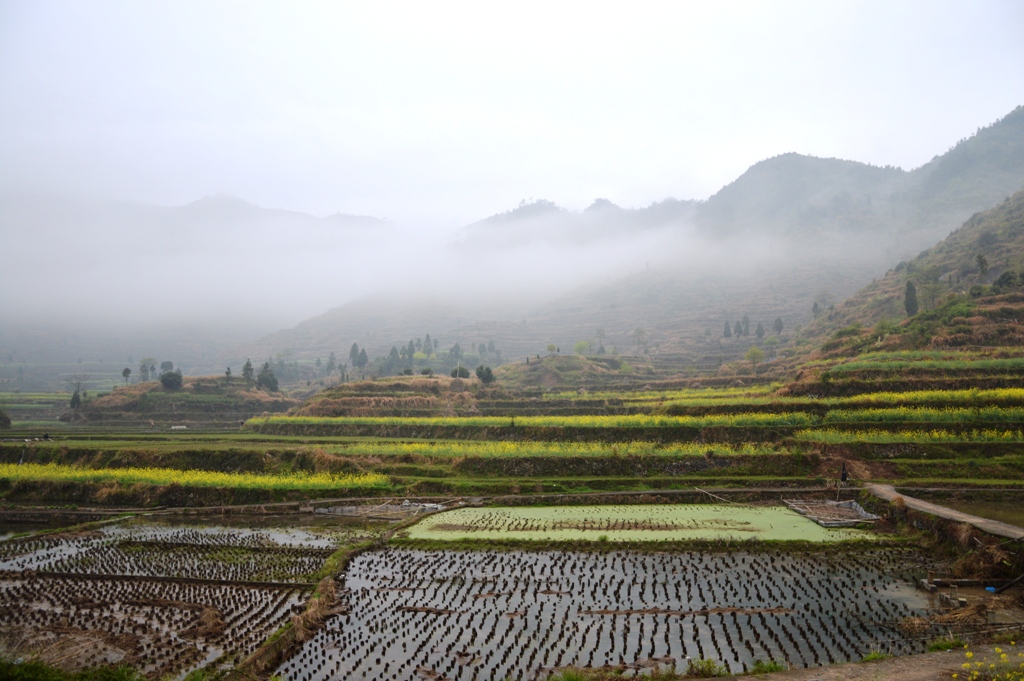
(440, 114)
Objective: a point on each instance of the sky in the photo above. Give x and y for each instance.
(438, 114)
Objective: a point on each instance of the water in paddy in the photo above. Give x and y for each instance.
(260, 549)
(1010, 511)
(491, 615)
(9, 529)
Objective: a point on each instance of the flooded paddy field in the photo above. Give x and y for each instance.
(669, 522)
(156, 626)
(490, 615)
(162, 595)
(1010, 511)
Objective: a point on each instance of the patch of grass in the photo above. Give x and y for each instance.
(34, 670)
(768, 667)
(875, 656)
(944, 643)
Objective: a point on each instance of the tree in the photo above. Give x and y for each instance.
(318, 363)
(485, 374)
(771, 343)
(77, 382)
(76, 401)
(816, 310)
(551, 347)
(172, 380)
(746, 325)
(126, 373)
(982, 262)
(460, 372)
(640, 336)
(777, 326)
(754, 356)
(738, 329)
(227, 375)
(332, 365)
(363, 359)
(728, 331)
(581, 347)
(266, 379)
(144, 367)
(759, 331)
(248, 374)
(456, 352)
(910, 299)
(166, 366)
(353, 355)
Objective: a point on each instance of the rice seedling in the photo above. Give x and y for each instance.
(527, 615)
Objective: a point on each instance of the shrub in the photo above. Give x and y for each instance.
(705, 669)
(172, 380)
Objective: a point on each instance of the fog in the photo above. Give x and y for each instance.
(239, 169)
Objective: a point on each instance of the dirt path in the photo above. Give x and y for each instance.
(926, 667)
(993, 527)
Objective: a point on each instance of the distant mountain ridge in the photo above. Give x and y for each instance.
(544, 220)
(798, 196)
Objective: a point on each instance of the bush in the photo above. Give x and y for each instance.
(485, 374)
(460, 372)
(705, 669)
(172, 380)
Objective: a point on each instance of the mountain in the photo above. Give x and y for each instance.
(796, 194)
(984, 257)
(544, 221)
(791, 231)
(807, 197)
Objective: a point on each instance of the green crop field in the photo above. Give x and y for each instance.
(649, 523)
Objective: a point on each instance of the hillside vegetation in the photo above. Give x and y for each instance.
(205, 400)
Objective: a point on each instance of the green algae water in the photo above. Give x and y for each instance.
(668, 522)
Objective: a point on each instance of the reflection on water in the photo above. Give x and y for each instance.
(1010, 511)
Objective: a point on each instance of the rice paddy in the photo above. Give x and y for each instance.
(675, 522)
(164, 597)
(412, 614)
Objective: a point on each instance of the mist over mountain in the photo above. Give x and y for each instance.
(789, 231)
(544, 221)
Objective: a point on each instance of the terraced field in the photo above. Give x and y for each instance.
(163, 597)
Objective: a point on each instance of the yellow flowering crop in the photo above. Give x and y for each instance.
(191, 478)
